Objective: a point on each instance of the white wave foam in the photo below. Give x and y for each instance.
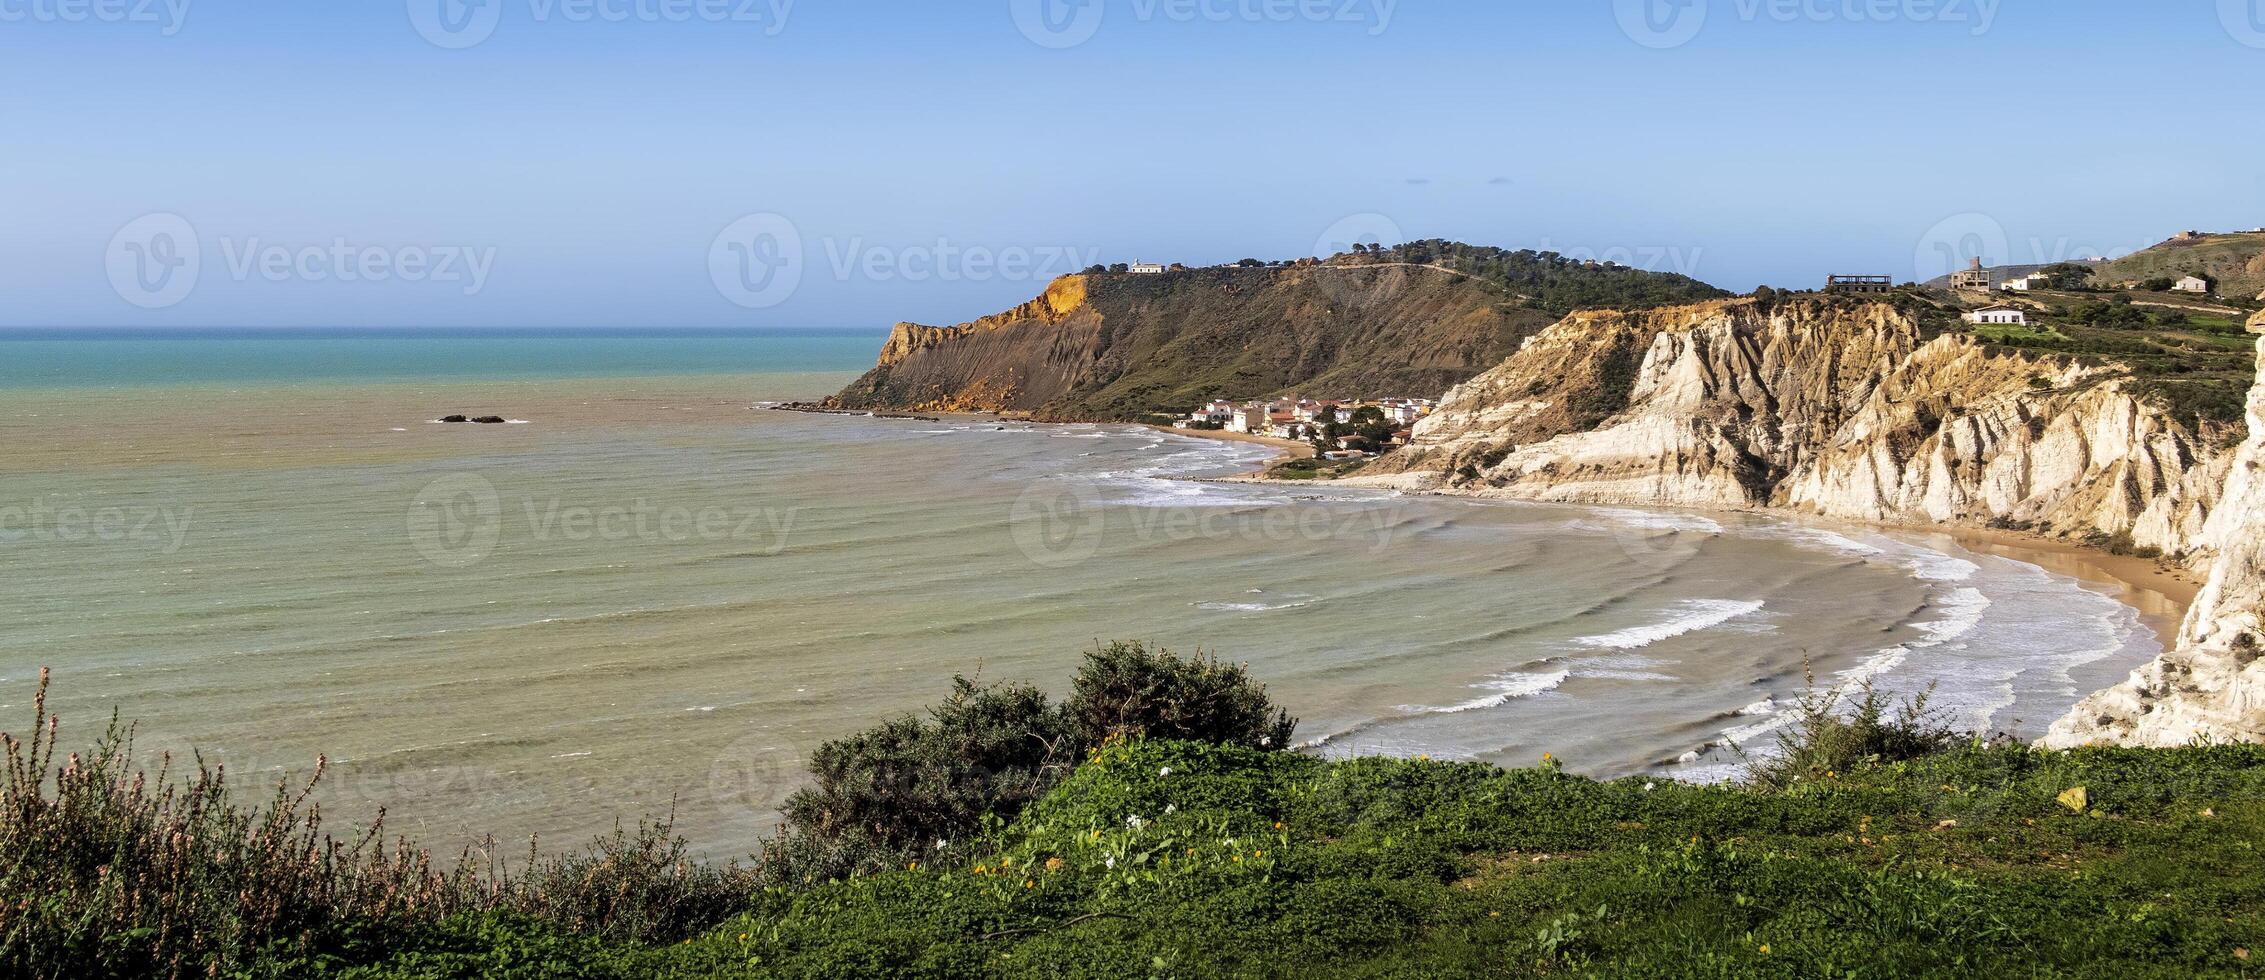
(1961, 611)
(1697, 614)
(1661, 520)
(1506, 688)
(1251, 606)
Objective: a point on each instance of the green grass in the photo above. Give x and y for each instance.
(1157, 858)
(2001, 332)
(1176, 859)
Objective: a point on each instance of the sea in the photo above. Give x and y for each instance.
(651, 594)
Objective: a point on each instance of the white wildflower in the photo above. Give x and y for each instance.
(1169, 809)
(1135, 822)
(1166, 771)
(1109, 863)
(1647, 787)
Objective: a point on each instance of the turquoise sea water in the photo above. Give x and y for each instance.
(656, 594)
(128, 358)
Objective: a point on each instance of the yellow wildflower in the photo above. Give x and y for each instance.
(1054, 864)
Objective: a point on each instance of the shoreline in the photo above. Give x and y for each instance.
(1285, 449)
(2159, 594)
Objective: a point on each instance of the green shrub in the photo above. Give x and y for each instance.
(108, 869)
(1824, 740)
(1125, 689)
(887, 796)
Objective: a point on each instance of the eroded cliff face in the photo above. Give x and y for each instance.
(1834, 408)
(1851, 411)
(2210, 686)
(1121, 346)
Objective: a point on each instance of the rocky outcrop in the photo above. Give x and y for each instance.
(1113, 346)
(2212, 686)
(1853, 410)
(1829, 407)
(1122, 346)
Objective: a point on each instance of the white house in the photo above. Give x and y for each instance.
(2193, 284)
(1999, 314)
(1250, 418)
(2026, 283)
(1147, 269)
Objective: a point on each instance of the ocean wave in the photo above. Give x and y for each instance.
(1961, 611)
(1505, 688)
(1254, 606)
(1659, 520)
(1697, 614)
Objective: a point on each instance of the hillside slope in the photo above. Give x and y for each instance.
(1851, 410)
(1845, 409)
(2236, 261)
(2213, 683)
(1119, 346)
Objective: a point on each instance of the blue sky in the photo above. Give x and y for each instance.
(660, 162)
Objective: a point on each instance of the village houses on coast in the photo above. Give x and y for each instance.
(1311, 420)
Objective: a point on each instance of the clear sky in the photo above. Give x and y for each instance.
(712, 162)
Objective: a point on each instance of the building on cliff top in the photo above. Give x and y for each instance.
(1999, 314)
(1859, 284)
(1971, 277)
(1147, 269)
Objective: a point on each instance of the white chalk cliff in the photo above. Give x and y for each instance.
(1853, 410)
(2210, 686)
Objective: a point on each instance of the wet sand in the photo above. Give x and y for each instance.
(2161, 594)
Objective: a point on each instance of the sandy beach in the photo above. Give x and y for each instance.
(2162, 595)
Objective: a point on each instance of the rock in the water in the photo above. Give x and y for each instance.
(454, 418)
(489, 420)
